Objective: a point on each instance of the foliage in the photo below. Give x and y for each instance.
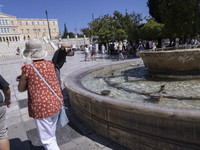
(152, 30)
(80, 35)
(65, 33)
(154, 10)
(71, 35)
(117, 27)
(86, 32)
(177, 16)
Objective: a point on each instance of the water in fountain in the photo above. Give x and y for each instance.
(131, 82)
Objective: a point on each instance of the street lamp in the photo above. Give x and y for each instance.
(48, 24)
(197, 11)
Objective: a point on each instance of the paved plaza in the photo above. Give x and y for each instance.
(74, 136)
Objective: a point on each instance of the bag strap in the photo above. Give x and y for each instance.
(47, 84)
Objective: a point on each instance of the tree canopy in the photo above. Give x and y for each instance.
(178, 17)
(116, 27)
(169, 19)
(65, 33)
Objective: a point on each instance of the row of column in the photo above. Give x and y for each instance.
(9, 38)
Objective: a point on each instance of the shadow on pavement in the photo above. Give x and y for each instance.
(17, 144)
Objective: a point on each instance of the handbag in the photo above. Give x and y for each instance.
(62, 119)
(70, 53)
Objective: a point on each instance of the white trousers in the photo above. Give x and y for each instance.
(47, 131)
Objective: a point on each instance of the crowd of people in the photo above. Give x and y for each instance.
(118, 48)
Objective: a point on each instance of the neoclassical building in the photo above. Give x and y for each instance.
(18, 29)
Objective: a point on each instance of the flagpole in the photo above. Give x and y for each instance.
(0, 7)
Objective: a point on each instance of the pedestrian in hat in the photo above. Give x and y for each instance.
(43, 105)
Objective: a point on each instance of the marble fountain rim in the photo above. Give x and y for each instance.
(73, 83)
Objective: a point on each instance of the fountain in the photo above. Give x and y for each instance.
(172, 62)
(150, 115)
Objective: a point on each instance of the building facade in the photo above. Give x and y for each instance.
(19, 29)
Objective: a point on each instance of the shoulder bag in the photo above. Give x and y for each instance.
(70, 53)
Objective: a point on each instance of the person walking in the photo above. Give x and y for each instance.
(4, 86)
(127, 49)
(103, 49)
(120, 51)
(140, 47)
(153, 46)
(43, 105)
(87, 53)
(93, 52)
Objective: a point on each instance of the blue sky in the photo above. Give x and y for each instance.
(75, 13)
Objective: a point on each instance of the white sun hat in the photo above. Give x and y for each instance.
(34, 50)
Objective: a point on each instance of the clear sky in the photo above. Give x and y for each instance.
(75, 13)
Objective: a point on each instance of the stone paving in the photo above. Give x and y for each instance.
(74, 136)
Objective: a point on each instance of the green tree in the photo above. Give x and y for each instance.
(86, 31)
(154, 10)
(101, 27)
(133, 29)
(80, 35)
(177, 16)
(116, 27)
(152, 30)
(65, 33)
(129, 23)
(71, 35)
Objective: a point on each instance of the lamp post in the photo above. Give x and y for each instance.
(48, 24)
(197, 11)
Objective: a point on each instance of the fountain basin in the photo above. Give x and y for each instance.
(172, 61)
(138, 125)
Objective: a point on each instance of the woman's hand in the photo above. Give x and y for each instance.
(18, 78)
(22, 86)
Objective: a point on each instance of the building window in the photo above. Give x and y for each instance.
(20, 23)
(12, 22)
(5, 31)
(3, 22)
(34, 30)
(54, 23)
(13, 30)
(26, 23)
(0, 22)
(22, 30)
(6, 22)
(38, 23)
(43, 23)
(44, 30)
(8, 30)
(28, 31)
(32, 23)
(39, 30)
(54, 30)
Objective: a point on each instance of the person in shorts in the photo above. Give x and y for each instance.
(87, 53)
(120, 51)
(4, 86)
(93, 52)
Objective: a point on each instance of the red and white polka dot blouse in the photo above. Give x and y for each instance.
(42, 103)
